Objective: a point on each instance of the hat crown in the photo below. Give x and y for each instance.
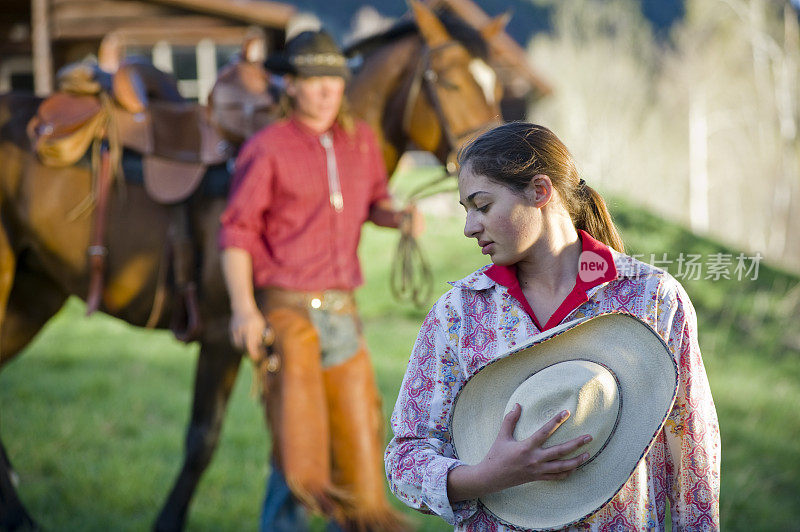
(312, 42)
(589, 391)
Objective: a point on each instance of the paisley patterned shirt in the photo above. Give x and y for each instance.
(477, 321)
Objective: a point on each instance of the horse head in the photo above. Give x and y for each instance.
(460, 91)
(437, 89)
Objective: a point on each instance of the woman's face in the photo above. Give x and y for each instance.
(317, 99)
(505, 224)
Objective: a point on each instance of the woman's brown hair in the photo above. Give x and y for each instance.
(512, 154)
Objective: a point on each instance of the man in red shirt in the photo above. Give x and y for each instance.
(301, 191)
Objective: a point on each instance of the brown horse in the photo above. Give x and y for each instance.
(415, 86)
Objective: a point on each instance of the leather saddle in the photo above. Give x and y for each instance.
(67, 122)
(175, 137)
(64, 126)
(141, 110)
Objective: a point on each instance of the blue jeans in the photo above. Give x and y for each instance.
(281, 511)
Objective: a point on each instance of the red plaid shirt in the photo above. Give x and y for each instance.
(280, 209)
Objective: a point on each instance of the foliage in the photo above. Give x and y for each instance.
(94, 411)
(601, 59)
(701, 127)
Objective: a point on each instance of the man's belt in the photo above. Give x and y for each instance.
(336, 301)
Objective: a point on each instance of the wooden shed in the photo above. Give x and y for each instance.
(190, 38)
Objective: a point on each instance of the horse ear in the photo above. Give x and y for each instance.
(496, 26)
(431, 29)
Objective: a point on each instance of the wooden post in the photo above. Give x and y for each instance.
(42, 52)
(206, 55)
(162, 56)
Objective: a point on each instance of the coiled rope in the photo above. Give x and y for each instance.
(410, 277)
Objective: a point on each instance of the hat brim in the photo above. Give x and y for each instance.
(648, 380)
(279, 64)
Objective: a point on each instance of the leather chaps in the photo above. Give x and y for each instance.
(324, 409)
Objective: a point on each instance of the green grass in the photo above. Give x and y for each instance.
(93, 413)
(750, 340)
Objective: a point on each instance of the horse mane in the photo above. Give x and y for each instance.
(468, 36)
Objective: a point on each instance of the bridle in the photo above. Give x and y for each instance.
(425, 77)
(411, 277)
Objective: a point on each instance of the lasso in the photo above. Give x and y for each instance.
(410, 277)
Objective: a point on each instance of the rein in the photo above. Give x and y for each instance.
(411, 278)
(426, 77)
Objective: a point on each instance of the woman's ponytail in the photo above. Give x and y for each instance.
(593, 217)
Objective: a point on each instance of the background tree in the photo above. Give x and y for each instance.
(700, 126)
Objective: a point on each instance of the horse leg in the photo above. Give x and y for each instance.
(7, 464)
(22, 317)
(8, 264)
(12, 514)
(217, 367)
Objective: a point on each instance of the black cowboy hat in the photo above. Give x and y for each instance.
(309, 54)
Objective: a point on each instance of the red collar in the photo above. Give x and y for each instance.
(596, 267)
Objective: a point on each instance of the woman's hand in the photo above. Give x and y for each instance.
(247, 332)
(510, 462)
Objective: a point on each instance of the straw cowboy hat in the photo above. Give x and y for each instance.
(617, 378)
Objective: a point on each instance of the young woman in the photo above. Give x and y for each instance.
(530, 212)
